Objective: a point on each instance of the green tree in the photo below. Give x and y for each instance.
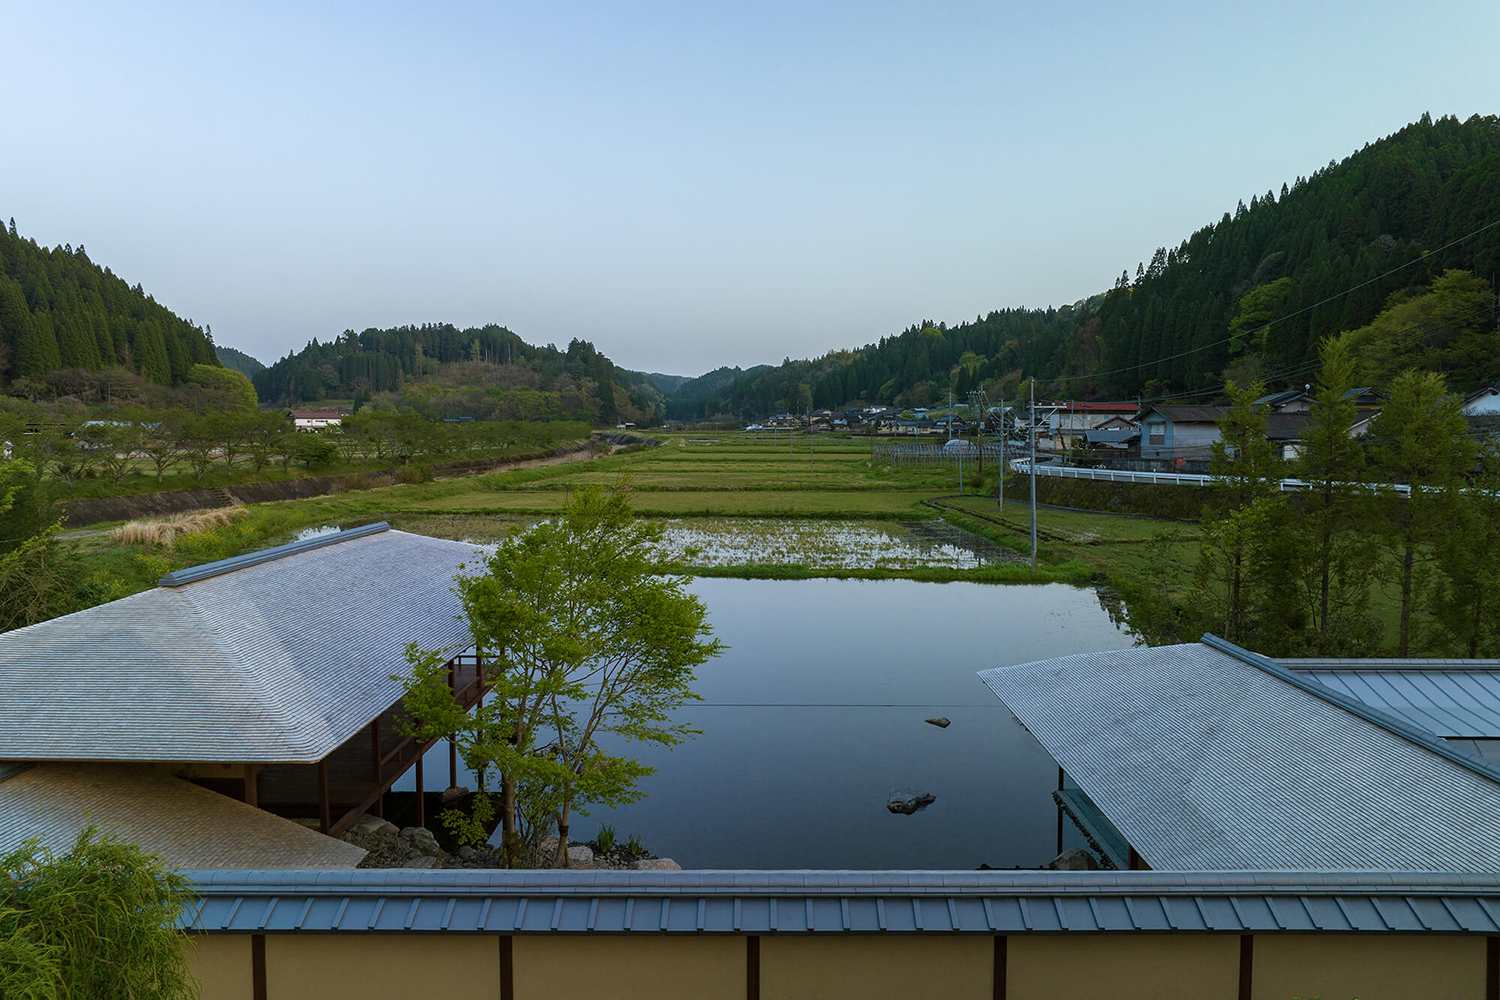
(1421, 440)
(1244, 549)
(264, 433)
(97, 921)
(1468, 560)
(232, 386)
(589, 637)
(1332, 462)
(1449, 329)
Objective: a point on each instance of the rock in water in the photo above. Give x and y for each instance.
(1074, 859)
(942, 722)
(906, 800)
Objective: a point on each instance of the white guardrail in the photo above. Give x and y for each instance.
(1021, 465)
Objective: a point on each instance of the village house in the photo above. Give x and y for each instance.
(314, 420)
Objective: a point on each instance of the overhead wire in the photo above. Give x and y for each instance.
(1282, 319)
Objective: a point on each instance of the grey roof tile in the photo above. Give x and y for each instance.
(1204, 760)
(282, 660)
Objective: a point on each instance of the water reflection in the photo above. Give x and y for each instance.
(816, 712)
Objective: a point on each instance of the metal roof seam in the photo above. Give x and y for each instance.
(193, 574)
(1385, 720)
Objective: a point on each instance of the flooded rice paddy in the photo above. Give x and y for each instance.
(817, 544)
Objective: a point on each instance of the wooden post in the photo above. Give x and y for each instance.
(252, 784)
(324, 823)
(452, 743)
(375, 771)
(1059, 811)
(421, 806)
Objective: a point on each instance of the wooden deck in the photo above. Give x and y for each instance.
(354, 778)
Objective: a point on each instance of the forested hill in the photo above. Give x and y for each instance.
(1166, 328)
(443, 371)
(59, 310)
(238, 360)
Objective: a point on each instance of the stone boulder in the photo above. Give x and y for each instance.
(422, 861)
(422, 841)
(942, 722)
(655, 865)
(374, 826)
(452, 794)
(1074, 859)
(908, 800)
(580, 856)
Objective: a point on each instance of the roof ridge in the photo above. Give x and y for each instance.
(1399, 727)
(193, 574)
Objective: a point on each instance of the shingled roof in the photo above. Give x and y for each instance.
(280, 655)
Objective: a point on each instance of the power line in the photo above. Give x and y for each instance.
(1312, 366)
(1282, 319)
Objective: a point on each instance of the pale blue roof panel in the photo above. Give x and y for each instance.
(1447, 699)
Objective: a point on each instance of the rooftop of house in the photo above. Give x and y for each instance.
(1206, 756)
(189, 826)
(278, 655)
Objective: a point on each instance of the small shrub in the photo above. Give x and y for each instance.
(606, 838)
(410, 475)
(634, 845)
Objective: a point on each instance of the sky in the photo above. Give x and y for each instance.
(687, 185)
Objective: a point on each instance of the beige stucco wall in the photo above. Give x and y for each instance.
(1135, 967)
(819, 968)
(222, 964)
(1372, 968)
(323, 966)
(625, 968)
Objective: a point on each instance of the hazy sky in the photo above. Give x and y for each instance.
(685, 184)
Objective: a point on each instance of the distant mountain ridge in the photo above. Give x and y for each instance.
(237, 360)
(443, 371)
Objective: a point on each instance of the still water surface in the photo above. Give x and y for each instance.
(816, 711)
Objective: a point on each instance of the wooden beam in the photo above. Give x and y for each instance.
(375, 749)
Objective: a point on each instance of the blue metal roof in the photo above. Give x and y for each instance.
(817, 902)
(1451, 698)
(1206, 756)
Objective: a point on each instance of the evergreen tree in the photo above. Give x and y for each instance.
(1420, 439)
(1332, 463)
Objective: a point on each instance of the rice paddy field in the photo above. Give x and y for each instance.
(735, 505)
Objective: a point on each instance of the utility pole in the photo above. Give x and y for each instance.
(809, 442)
(1032, 469)
(1000, 491)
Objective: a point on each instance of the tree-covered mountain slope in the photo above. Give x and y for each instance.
(481, 372)
(238, 360)
(60, 310)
